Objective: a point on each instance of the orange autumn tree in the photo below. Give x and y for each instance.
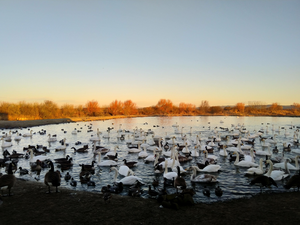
(129, 108)
(186, 108)
(115, 108)
(240, 107)
(164, 106)
(92, 108)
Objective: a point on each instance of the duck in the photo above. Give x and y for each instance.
(206, 191)
(23, 171)
(203, 178)
(67, 177)
(52, 177)
(73, 182)
(8, 180)
(129, 180)
(218, 191)
(105, 162)
(212, 159)
(152, 193)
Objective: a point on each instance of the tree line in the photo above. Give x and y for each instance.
(50, 110)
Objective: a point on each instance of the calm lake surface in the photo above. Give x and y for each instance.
(230, 178)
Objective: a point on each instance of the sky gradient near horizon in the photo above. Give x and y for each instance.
(225, 52)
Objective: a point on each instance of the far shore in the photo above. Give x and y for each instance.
(10, 124)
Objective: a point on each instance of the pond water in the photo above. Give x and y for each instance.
(231, 178)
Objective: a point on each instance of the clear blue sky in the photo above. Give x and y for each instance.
(225, 52)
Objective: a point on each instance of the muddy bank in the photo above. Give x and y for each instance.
(31, 123)
(31, 205)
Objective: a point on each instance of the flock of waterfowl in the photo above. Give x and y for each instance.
(175, 161)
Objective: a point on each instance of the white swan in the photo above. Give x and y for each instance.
(33, 159)
(28, 134)
(195, 152)
(256, 171)
(50, 139)
(105, 162)
(17, 137)
(169, 175)
(62, 147)
(111, 153)
(143, 154)
(277, 174)
(203, 178)
(223, 152)
(243, 163)
(125, 171)
(289, 166)
(129, 180)
(5, 144)
(262, 152)
(135, 150)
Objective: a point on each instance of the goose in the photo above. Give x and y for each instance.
(130, 164)
(254, 170)
(243, 163)
(8, 180)
(129, 180)
(277, 174)
(81, 150)
(62, 147)
(179, 182)
(289, 166)
(105, 162)
(52, 177)
(203, 178)
(28, 134)
(264, 181)
(294, 181)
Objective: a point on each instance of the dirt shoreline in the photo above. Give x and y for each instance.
(31, 205)
(5, 124)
